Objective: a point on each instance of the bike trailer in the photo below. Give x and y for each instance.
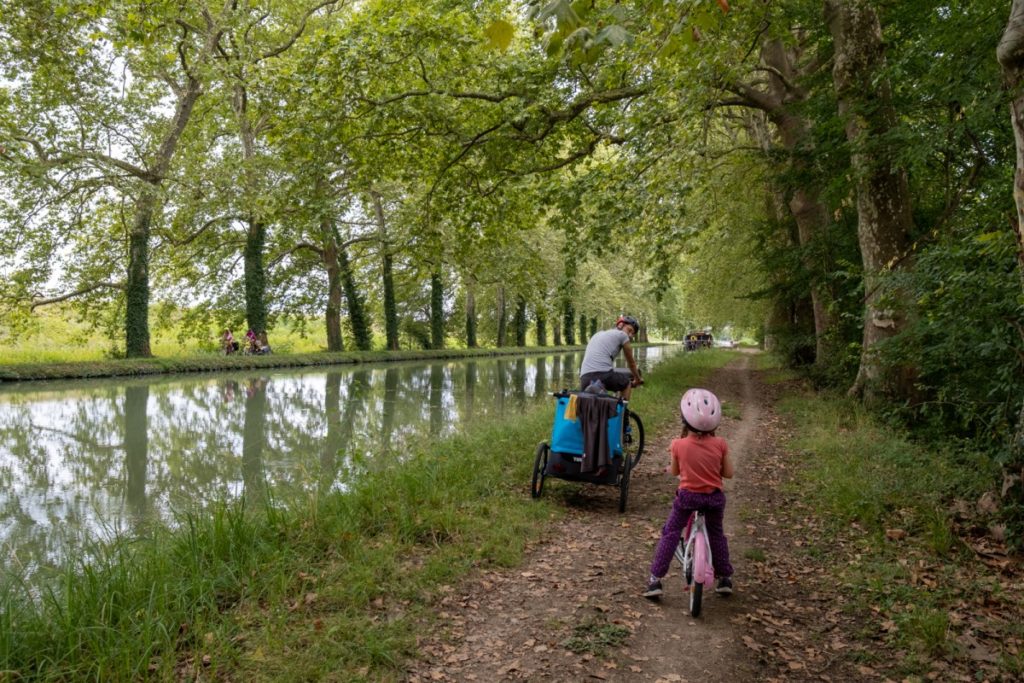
(566, 456)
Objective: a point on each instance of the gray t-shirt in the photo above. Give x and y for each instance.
(602, 350)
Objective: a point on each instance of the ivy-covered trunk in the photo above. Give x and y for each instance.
(542, 325)
(136, 322)
(136, 342)
(520, 321)
(593, 326)
(255, 276)
(502, 317)
(568, 323)
(436, 311)
(470, 318)
(357, 316)
(883, 200)
(387, 279)
(335, 342)
(556, 332)
(583, 329)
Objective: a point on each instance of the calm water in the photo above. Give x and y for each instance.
(85, 460)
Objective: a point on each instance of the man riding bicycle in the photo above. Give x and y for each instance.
(599, 359)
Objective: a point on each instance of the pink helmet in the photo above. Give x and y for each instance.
(701, 409)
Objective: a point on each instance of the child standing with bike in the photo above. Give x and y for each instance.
(700, 460)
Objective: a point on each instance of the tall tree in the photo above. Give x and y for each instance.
(521, 321)
(883, 202)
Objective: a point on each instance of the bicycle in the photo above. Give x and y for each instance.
(694, 554)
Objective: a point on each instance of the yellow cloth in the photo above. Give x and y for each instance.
(570, 410)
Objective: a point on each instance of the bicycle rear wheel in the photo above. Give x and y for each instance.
(632, 437)
(540, 463)
(700, 567)
(627, 466)
(696, 595)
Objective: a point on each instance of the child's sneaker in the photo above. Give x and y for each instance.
(653, 590)
(724, 586)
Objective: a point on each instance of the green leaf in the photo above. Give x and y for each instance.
(499, 34)
(614, 35)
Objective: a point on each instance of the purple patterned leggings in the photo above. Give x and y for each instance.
(712, 505)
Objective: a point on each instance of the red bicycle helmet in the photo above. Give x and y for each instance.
(629, 320)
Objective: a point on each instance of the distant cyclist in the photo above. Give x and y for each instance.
(599, 358)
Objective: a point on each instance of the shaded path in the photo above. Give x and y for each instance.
(586, 579)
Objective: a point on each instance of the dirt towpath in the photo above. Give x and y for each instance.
(551, 617)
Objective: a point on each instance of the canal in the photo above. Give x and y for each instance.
(90, 460)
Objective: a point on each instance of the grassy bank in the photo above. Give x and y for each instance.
(20, 372)
(328, 589)
(903, 538)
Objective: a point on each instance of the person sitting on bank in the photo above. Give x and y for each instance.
(252, 344)
(264, 344)
(599, 358)
(228, 343)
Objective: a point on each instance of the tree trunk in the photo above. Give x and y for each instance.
(583, 329)
(502, 322)
(1010, 54)
(256, 234)
(1011, 58)
(335, 342)
(436, 311)
(568, 323)
(357, 317)
(593, 326)
(557, 331)
(883, 203)
(390, 308)
(470, 318)
(810, 213)
(542, 325)
(255, 276)
(520, 321)
(137, 285)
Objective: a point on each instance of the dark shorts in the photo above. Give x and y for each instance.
(613, 380)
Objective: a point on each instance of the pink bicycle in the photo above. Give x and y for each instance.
(694, 553)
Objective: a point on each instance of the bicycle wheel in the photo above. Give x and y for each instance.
(700, 570)
(627, 467)
(696, 594)
(632, 437)
(540, 463)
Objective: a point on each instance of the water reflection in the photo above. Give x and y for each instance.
(86, 460)
(136, 447)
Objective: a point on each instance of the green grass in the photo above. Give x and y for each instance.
(755, 555)
(864, 480)
(214, 362)
(332, 587)
(596, 636)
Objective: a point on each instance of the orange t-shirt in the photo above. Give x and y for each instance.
(700, 462)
